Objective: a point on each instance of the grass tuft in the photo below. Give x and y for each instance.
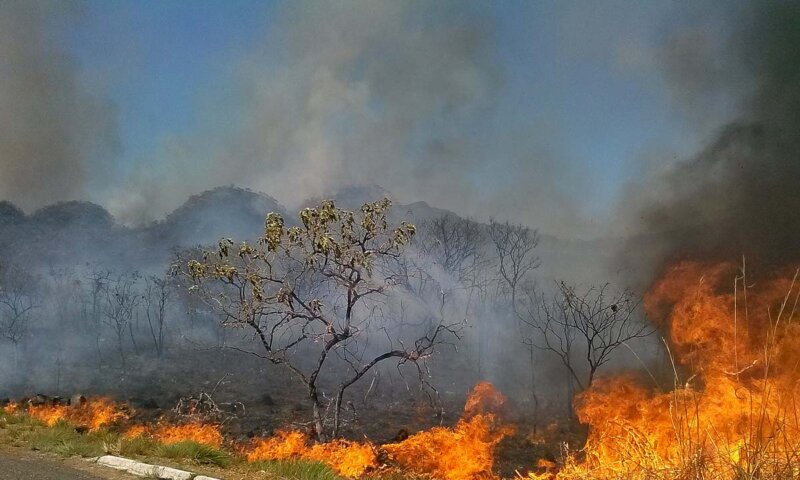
(142, 446)
(296, 470)
(62, 439)
(194, 451)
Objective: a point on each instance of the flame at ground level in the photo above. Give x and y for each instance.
(735, 414)
(93, 414)
(208, 434)
(463, 452)
(350, 459)
(460, 453)
(203, 433)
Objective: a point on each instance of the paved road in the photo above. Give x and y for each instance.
(21, 465)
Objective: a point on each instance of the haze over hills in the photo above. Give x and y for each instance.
(74, 233)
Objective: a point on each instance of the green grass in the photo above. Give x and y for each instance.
(141, 446)
(12, 420)
(62, 439)
(195, 452)
(296, 470)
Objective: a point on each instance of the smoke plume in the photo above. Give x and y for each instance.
(739, 195)
(52, 130)
(400, 94)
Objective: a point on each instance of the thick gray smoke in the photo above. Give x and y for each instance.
(52, 130)
(740, 195)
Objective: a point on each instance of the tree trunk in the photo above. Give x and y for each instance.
(319, 428)
(533, 389)
(337, 410)
(121, 346)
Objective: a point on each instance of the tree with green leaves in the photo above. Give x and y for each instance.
(319, 298)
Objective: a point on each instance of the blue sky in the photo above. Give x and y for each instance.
(566, 99)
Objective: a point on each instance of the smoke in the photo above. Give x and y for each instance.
(400, 94)
(344, 93)
(739, 195)
(52, 130)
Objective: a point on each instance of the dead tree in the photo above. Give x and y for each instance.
(319, 288)
(584, 328)
(452, 242)
(157, 294)
(96, 281)
(515, 247)
(20, 295)
(120, 300)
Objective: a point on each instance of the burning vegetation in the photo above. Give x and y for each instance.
(731, 411)
(326, 299)
(372, 339)
(463, 452)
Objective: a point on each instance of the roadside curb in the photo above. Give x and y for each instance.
(146, 470)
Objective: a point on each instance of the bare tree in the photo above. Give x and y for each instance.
(514, 245)
(323, 289)
(119, 306)
(96, 281)
(589, 325)
(516, 258)
(157, 294)
(452, 242)
(20, 295)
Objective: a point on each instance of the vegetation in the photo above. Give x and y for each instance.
(318, 288)
(195, 452)
(65, 440)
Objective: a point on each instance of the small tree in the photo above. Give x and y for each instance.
(588, 325)
(321, 288)
(454, 243)
(157, 294)
(515, 247)
(20, 295)
(120, 300)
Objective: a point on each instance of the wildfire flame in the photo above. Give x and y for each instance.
(459, 453)
(463, 452)
(350, 459)
(93, 414)
(11, 407)
(733, 414)
(203, 433)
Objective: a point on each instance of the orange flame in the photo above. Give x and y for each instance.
(350, 459)
(463, 452)
(136, 431)
(736, 415)
(48, 414)
(460, 453)
(94, 414)
(203, 433)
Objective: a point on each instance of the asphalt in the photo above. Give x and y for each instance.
(20, 465)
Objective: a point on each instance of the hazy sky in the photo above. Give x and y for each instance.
(541, 112)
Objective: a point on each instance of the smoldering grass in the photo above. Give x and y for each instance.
(195, 452)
